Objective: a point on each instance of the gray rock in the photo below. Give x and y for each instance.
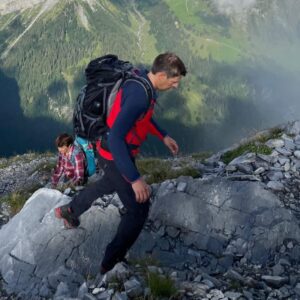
(198, 278)
(106, 295)
(172, 232)
(242, 177)
(297, 154)
(297, 289)
(244, 159)
(259, 170)
(98, 290)
(287, 167)
(82, 290)
(120, 296)
(41, 246)
(289, 144)
(62, 290)
(133, 288)
(266, 158)
(293, 128)
(245, 168)
(275, 281)
(208, 283)
(234, 275)
(275, 185)
(233, 295)
(230, 168)
(283, 160)
(214, 280)
(275, 143)
(225, 262)
(181, 186)
(89, 297)
(284, 151)
(240, 202)
(44, 291)
(216, 294)
(278, 270)
(67, 191)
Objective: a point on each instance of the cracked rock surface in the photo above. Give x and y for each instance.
(207, 227)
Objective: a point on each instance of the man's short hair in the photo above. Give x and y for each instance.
(169, 63)
(64, 139)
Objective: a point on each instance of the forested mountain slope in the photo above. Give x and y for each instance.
(241, 56)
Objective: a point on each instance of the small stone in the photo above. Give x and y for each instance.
(172, 231)
(275, 143)
(282, 249)
(153, 269)
(283, 160)
(82, 290)
(120, 296)
(275, 281)
(208, 283)
(275, 176)
(174, 274)
(259, 171)
(133, 288)
(198, 278)
(89, 297)
(97, 290)
(275, 185)
(297, 289)
(67, 191)
(297, 154)
(233, 295)
(284, 152)
(62, 290)
(230, 168)
(278, 270)
(283, 261)
(234, 275)
(287, 167)
(181, 187)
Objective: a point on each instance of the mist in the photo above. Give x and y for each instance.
(230, 7)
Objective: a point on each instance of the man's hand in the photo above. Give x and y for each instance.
(142, 190)
(171, 144)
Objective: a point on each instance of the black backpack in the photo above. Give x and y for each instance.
(104, 77)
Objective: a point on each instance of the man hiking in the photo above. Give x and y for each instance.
(129, 121)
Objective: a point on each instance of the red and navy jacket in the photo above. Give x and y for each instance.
(130, 121)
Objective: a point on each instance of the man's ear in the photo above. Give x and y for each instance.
(161, 75)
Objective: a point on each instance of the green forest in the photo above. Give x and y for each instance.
(232, 70)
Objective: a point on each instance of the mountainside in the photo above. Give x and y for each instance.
(231, 233)
(241, 57)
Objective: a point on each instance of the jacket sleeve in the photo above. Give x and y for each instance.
(58, 171)
(79, 169)
(156, 130)
(134, 103)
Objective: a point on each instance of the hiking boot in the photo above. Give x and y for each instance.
(64, 212)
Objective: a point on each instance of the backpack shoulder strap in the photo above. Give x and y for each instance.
(145, 84)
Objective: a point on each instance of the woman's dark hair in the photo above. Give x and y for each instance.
(64, 139)
(169, 63)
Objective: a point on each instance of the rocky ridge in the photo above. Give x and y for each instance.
(25, 172)
(231, 234)
(8, 6)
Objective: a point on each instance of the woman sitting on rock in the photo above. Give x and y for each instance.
(71, 166)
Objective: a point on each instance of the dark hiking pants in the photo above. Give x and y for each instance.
(131, 222)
